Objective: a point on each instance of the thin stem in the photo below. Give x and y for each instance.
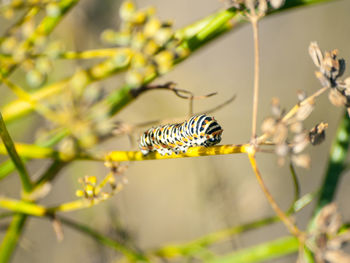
(336, 164)
(123, 156)
(254, 21)
(295, 182)
(294, 110)
(17, 161)
(285, 219)
(21, 206)
(50, 173)
(10, 240)
(262, 252)
(132, 255)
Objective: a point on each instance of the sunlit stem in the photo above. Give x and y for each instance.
(285, 219)
(254, 20)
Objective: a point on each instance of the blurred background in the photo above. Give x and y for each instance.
(179, 200)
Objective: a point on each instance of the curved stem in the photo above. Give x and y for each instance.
(285, 219)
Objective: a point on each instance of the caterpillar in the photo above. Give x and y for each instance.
(199, 130)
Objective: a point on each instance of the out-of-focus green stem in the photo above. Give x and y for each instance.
(45, 27)
(193, 247)
(7, 167)
(10, 148)
(20, 206)
(89, 54)
(6, 214)
(32, 151)
(263, 252)
(208, 28)
(129, 253)
(336, 163)
(49, 22)
(26, 17)
(10, 240)
(194, 37)
(50, 173)
(100, 71)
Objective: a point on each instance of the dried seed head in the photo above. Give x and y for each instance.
(301, 94)
(262, 7)
(282, 150)
(280, 134)
(275, 107)
(336, 98)
(336, 256)
(277, 3)
(296, 127)
(268, 126)
(315, 54)
(327, 239)
(302, 160)
(324, 80)
(318, 133)
(250, 4)
(300, 141)
(305, 110)
(330, 67)
(328, 220)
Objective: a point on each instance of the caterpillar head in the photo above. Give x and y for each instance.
(213, 133)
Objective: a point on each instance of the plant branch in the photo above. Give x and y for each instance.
(336, 164)
(132, 255)
(255, 22)
(12, 152)
(123, 156)
(10, 240)
(285, 219)
(262, 252)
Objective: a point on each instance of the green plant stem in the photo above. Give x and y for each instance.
(6, 214)
(263, 252)
(193, 247)
(50, 173)
(20, 107)
(22, 207)
(10, 148)
(48, 23)
(129, 253)
(295, 182)
(215, 25)
(32, 151)
(195, 36)
(26, 17)
(10, 240)
(336, 164)
(190, 248)
(7, 167)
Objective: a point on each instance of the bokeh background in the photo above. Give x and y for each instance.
(179, 200)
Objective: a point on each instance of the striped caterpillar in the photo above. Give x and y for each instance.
(199, 130)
